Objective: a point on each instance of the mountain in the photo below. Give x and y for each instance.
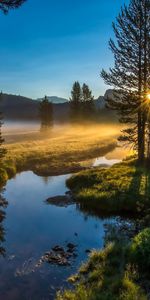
(100, 102)
(109, 94)
(18, 107)
(55, 99)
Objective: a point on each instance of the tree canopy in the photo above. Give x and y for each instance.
(130, 75)
(6, 5)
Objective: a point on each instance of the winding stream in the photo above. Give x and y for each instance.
(32, 227)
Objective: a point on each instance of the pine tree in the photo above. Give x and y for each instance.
(5, 5)
(46, 113)
(88, 107)
(130, 76)
(75, 101)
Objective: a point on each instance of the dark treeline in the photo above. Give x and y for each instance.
(131, 74)
(81, 102)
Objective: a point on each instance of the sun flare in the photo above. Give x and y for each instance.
(148, 96)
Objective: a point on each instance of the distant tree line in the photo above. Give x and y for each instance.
(81, 102)
(130, 76)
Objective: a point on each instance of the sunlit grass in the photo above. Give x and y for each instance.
(106, 275)
(114, 190)
(62, 150)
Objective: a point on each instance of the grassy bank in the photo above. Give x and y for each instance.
(113, 273)
(120, 271)
(125, 187)
(59, 153)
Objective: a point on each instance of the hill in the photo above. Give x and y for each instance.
(19, 107)
(55, 99)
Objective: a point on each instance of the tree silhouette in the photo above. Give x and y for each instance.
(88, 107)
(6, 5)
(46, 113)
(130, 75)
(75, 101)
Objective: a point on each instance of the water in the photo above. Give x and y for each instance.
(104, 161)
(32, 227)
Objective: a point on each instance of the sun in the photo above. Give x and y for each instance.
(148, 96)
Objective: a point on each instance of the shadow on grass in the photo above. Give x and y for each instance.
(122, 190)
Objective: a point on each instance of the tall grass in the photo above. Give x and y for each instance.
(121, 188)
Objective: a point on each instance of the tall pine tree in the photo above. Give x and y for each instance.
(75, 101)
(88, 107)
(46, 113)
(6, 5)
(131, 73)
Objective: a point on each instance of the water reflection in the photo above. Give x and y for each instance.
(104, 161)
(33, 228)
(96, 212)
(3, 205)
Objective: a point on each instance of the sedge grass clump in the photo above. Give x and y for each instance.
(105, 276)
(139, 251)
(116, 189)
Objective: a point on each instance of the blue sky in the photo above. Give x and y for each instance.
(46, 45)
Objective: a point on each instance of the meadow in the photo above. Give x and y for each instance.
(65, 149)
(122, 188)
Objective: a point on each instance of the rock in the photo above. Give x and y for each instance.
(75, 255)
(47, 253)
(87, 251)
(58, 249)
(61, 201)
(11, 257)
(71, 246)
(59, 256)
(71, 250)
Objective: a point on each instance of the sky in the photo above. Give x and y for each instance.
(47, 45)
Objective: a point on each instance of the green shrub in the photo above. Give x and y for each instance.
(131, 291)
(139, 251)
(11, 170)
(3, 176)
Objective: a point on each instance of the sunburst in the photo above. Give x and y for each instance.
(148, 97)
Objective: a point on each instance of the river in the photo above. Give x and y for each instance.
(32, 227)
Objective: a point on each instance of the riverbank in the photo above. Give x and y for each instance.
(112, 273)
(121, 270)
(122, 188)
(44, 162)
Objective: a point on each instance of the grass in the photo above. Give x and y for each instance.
(60, 152)
(108, 274)
(120, 271)
(124, 187)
